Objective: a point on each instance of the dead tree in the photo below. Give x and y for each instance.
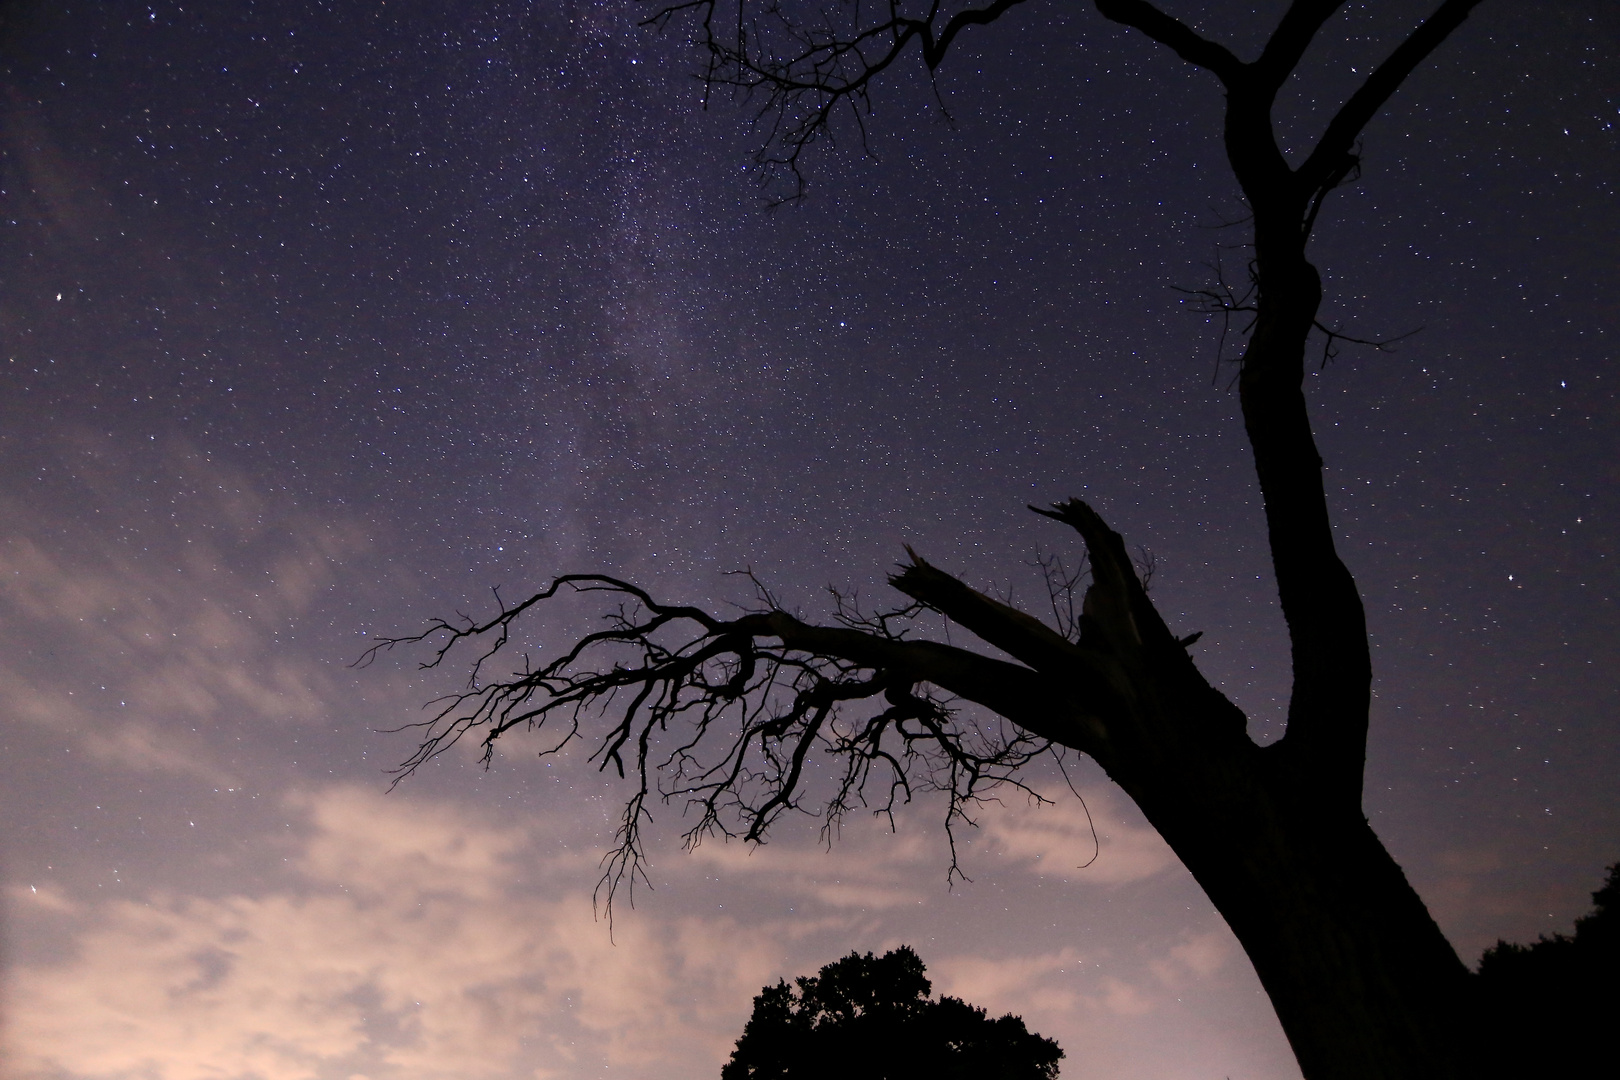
(727, 711)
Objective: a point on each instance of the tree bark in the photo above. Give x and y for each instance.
(1365, 984)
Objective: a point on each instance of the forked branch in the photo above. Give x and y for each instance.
(727, 716)
(807, 65)
(1332, 156)
(1187, 43)
(733, 718)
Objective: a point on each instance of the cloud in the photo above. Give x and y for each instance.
(1069, 983)
(379, 848)
(1044, 983)
(1057, 839)
(139, 745)
(876, 868)
(402, 944)
(393, 937)
(134, 650)
(43, 898)
(61, 190)
(1198, 956)
(1123, 999)
(406, 937)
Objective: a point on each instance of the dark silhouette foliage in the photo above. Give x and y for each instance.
(1554, 1005)
(870, 1018)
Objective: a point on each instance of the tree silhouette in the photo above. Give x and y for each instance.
(1554, 1004)
(724, 712)
(870, 1018)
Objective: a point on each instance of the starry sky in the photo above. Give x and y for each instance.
(319, 320)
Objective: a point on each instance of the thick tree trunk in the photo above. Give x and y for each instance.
(1363, 981)
(1365, 985)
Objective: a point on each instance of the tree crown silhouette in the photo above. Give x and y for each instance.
(870, 1018)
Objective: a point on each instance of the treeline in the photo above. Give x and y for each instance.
(1552, 1008)
(1548, 1009)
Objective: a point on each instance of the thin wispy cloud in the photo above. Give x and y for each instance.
(322, 930)
(1095, 841)
(136, 640)
(402, 942)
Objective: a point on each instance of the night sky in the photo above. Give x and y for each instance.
(321, 320)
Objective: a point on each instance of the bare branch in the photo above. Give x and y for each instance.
(806, 71)
(1020, 635)
(1118, 616)
(729, 711)
(1062, 586)
(1291, 38)
(1332, 159)
(1227, 303)
(1330, 346)
(1177, 35)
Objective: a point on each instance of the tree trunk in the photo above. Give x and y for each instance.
(1365, 985)
(1363, 981)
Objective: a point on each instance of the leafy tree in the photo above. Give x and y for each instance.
(1554, 1003)
(725, 711)
(870, 1018)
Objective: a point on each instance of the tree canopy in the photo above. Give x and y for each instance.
(1553, 1003)
(870, 1018)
